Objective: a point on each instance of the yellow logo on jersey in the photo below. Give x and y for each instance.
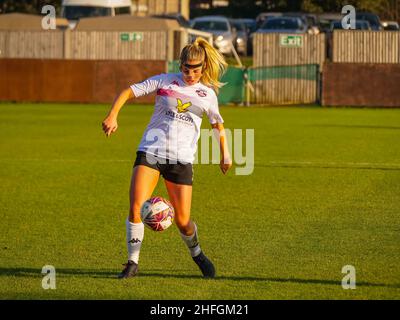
(182, 107)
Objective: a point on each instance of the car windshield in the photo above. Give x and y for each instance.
(239, 26)
(282, 24)
(251, 25)
(211, 25)
(77, 12)
(373, 20)
(360, 25)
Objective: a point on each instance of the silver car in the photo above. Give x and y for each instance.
(224, 34)
(241, 36)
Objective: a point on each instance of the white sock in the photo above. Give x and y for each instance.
(192, 242)
(134, 238)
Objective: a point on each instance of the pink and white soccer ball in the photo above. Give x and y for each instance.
(157, 213)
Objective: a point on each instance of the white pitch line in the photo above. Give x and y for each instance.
(266, 163)
(66, 160)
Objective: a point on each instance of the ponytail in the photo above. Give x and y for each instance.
(215, 65)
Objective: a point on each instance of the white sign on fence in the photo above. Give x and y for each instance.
(132, 36)
(292, 41)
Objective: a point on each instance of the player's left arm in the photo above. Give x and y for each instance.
(226, 160)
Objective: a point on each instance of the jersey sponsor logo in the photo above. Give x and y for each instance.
(201, 93)
(180, 117)
(182, 107)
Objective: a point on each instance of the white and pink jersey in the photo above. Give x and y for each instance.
(174, 128)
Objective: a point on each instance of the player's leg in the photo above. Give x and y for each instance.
(180, 196)
(143, 182)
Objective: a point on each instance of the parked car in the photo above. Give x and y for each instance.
(360, 25)
(241, 37)
(325, 19)
(284, 25)
(310, 20)
(372, 18)
(390, 25)
(73, 10)
(251, 27)
(264, 16)
(224, 34)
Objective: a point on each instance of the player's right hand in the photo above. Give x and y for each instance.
(110, 125)
(225, 164)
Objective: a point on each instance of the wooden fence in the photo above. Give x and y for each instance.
(357, 46)
(279, 85)
(273, 49)
(90, 45)
(97, 45)
(269, 49)
(110, 45)
(32, 44)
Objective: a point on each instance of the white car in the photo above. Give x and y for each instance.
(224, 34)
(73, 10)
(390, 25)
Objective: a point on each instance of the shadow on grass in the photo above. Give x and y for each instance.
(327, 166)
(354, 126)
(112, 274)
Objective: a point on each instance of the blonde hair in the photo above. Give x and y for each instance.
(215, 65)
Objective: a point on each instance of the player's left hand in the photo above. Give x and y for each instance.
(110, 125)
(225, 164)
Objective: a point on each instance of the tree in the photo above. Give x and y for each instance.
(386, 9)
(27, 6)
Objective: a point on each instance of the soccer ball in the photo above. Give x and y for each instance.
(157, 213)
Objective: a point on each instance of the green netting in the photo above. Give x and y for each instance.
(173, 66)
(232, 92)
(304, 72)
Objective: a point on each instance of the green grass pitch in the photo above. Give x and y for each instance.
(325, 193)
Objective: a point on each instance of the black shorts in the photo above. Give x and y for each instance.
(176, 172)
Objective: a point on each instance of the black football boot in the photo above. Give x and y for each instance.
(205, 265)
(130, 270)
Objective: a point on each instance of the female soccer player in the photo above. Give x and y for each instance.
(169, 143)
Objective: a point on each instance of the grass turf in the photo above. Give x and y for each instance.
(324, 193)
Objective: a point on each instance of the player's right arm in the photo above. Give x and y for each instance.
(110, 124)
(136, 90)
